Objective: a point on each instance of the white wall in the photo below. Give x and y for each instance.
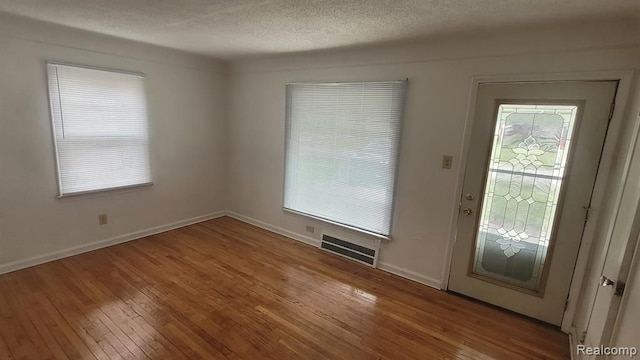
(440, 76)
(186, 101)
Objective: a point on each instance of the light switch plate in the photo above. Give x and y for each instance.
(447, 161)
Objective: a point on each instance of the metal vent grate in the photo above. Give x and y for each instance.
(348, 249)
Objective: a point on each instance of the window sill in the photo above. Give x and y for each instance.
(98, 191)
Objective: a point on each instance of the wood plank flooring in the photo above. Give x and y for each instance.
(224, 289)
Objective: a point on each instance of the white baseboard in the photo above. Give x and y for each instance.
(278, 230)
(408, 274)
(40, 259)
(411, 275)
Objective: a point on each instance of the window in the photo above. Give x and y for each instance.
(341, 151)
(100, 128)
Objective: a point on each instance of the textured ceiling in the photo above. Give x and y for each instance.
(240, 28)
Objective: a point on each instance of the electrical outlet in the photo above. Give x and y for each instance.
(102, 219)
(447, 161)
(311, 229)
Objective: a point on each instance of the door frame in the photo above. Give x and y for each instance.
(633, 271)
(623, 257)
(624, 78)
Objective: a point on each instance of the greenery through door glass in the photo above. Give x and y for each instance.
(526, 169)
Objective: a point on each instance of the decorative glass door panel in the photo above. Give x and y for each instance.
(522, 192)
(528, 178)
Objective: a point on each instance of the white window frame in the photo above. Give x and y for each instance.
(395, 146)
(55, 123)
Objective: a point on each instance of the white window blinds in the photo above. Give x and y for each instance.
(341, 151)
(100, 128)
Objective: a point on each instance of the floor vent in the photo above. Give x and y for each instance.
(348, 249)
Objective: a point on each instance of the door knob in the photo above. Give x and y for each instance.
(605, 281)
(467, 211)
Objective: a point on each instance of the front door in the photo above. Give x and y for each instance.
(531, 167)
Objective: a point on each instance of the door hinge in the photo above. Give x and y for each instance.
(587, 213)
(619, 288)
(566, 304)
(583, 337)
(613, 107)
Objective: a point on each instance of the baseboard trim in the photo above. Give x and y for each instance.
(56, 255)
(278, 230)
(411, 275)
(407, 274)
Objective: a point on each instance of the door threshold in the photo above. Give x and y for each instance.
(537, 321)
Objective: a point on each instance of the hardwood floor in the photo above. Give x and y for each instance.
(223, 289)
